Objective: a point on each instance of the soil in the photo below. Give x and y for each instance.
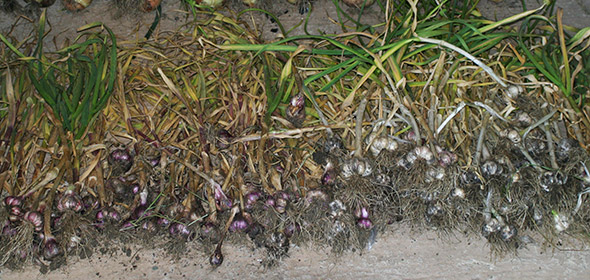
(400, 254)
(397, 254)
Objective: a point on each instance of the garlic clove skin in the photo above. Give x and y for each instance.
(490, 227)
(364, 169)
(524, 118)
(365, 223)
(120, 161)
(361, 213)
(446, 159)
(513, 91)
(383, 179)
(250, 3)
(434, 210)
(34, 218)
(70, 200)
(149, 5)
(50, 249)
(76, 5)
(337, 208)
(491, 168)
(424, 153)
(470, 178)
(239, 224)
(13, 201)
(434, 174)
(329, 177)
(561, 222)
(347, 170)
(404, 163)
(392, 144)
(508, 233)
(548, 180)
(381, 143)
(210, 3)
(564, 149)
(458, 193)
(356, 166)
(295, 111)
(514, 136)
(411, 157)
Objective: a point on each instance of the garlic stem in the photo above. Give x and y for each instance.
(467, 55)
(359, 126)
(450, 117)
(480, 139)
(526, 132)
(550, 145)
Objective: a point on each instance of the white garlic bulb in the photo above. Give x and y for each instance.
(491, 168)
(378, 145)
(250, 3)
(356, 166)
(458, 193)
(210, 3)
(392, 145)
(561, 222)
(383, 143)
(411, 157)
(424, 153)
(514, 136)
(513, 91)
(347, 170)
(337, 208)
(524, 118)
(434, 174)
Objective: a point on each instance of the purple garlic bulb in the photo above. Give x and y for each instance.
(120, 160)
(295, 112)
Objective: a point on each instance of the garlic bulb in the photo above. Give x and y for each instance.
(210, 3)
(491, 168)
(524, 118)
(561, 222)
(424, 153)
(295, 112)
(548, 180)
(514, 136)
(458, 193)
(356, 166)
(513, 91)
(411, 157)
(250, 3)
(434, 210)
(508, 232)
(383, 143)
(436, 173)
(490, 227)
(470, 178)
(565, 148)
(76, 5)
(149, 5)
(337, 208)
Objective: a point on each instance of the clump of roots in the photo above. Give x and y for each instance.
(19, 245)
